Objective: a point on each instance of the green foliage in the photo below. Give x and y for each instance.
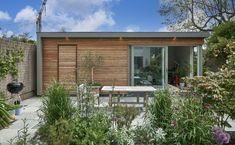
(85, 100)
(147, 134)
(161, 109)
(9, 59)
(230, 50)
(124, 115)
(90, 61)
(121, 136)
(91, 130)
(5, 117)
(216, 51)
(57, 108)
(193, 124)
(218, 90)
(56, 104)
(23, 136)
(60, 133)
(183, 70)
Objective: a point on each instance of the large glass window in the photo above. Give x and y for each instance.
(148, 66)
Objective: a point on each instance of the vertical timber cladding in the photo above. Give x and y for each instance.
(59, 64)
(67, 62)
(114, 52)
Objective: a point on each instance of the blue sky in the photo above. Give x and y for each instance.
(18, 16)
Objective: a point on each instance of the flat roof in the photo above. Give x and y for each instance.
(124, 34)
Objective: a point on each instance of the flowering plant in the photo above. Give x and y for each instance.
(220, 136)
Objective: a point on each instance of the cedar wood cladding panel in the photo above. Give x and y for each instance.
(113, 50)
(67, 62)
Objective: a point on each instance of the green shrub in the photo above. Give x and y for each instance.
(147, 134)
(60, 133)
(56, 104)
(57, 108)
(121, 136)
(218, 91)
(125, 114)
(193, 124)
(91, 130)
(161, 110)
(5, 117)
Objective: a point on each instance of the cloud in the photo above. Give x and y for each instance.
(93, 22)
(27, 14)
(26, 19)
(164, 29)
(76, 7)
(6, 33)
(77, 15)
(4, 16)
(70, 23)
(132, 28)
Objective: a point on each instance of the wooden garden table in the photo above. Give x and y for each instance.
(125, 89)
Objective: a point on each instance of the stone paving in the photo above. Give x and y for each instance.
(30, 112)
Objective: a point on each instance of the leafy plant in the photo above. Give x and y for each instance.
(90, 61)
(61, 132)
(91, 130)
(161, 109)
(193, 123)
(218, 91)
(9, 59)
(216, 52)
(183, 70)
(125, 114)
(5, 117)
(23, 137)
(56, 104)
(121, 136)
(149, 134)
(85, 100)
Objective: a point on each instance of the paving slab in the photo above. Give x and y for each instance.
(30, 113)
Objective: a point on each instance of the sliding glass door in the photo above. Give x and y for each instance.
(147, 66)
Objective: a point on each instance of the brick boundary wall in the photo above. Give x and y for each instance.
(26, 68)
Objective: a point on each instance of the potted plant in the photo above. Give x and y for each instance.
(96, 87)
(182, 83)
(19, 107)
(182, 72)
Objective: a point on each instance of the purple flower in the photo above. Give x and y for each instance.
(220, 136)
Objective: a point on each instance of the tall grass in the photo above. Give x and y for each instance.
(161, 109)
(56, 104)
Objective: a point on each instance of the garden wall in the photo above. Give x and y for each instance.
(27, 68)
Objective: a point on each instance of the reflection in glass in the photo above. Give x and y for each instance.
(148, 66)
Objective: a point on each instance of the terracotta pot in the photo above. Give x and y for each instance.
(15, 87)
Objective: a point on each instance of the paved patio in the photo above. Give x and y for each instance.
(30, 112)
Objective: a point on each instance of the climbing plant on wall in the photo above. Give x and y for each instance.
(9, 59)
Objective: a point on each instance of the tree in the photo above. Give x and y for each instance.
(217, 52)
(90, 61)
(200, 15)
(218, 88)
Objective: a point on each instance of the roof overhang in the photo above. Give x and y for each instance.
(123, 34)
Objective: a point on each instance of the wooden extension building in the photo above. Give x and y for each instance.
(129, 58)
